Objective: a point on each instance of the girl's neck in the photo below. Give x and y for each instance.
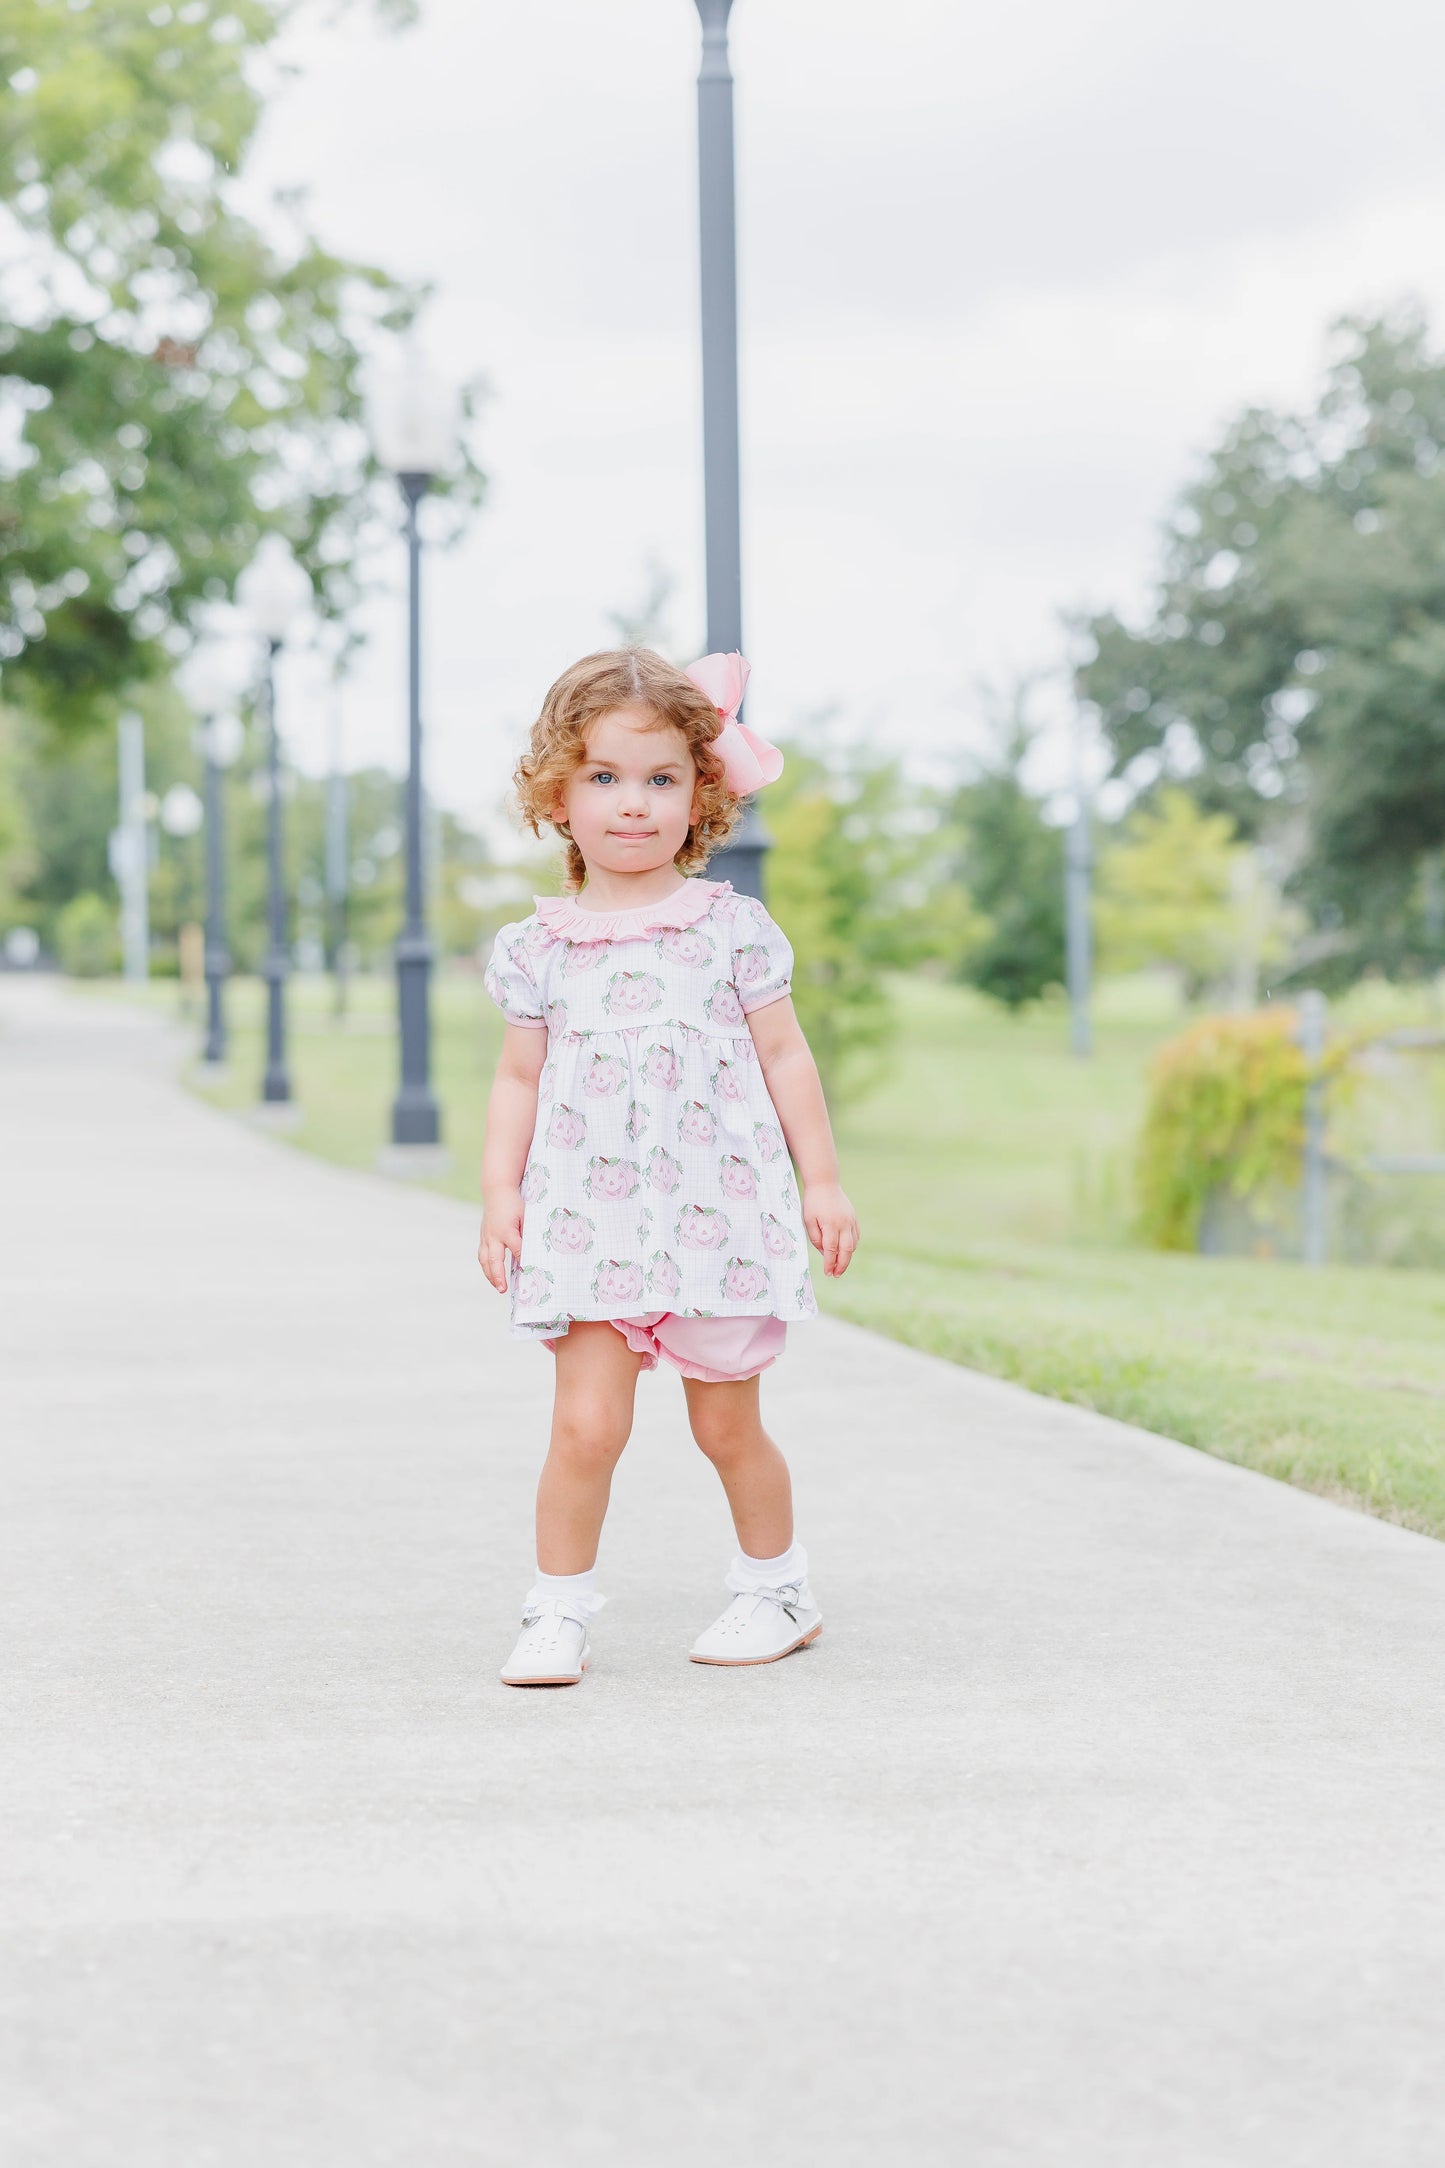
(628, 891)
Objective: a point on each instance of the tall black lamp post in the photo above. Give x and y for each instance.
(273, 591)
(221, 740)
(741, 859)
(414, 423)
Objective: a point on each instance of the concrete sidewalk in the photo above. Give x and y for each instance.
(1103, 1825)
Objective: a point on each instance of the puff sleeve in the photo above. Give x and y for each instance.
(762, 957)
(509, 980)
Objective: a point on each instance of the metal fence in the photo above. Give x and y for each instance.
(1370, 1187)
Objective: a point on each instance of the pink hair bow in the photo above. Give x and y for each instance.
(748, 759)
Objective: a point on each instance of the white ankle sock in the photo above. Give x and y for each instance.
(576, 1591)
(567, 1584)
(790, 1565)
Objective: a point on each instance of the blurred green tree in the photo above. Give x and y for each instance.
(17, 843)
(87, 937)
(69, 793)
(174, 376)
(1292, 668)
(375, 867)
(1177, 887)
(1008, 864)
(851, 879)
(58, 806)
(1370, 593)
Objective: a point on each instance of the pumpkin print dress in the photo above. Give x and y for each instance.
(658, 1180)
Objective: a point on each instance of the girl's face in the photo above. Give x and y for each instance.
(629, 805)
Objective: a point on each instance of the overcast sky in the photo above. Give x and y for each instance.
(1003, 273)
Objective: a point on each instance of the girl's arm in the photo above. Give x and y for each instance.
(511, 1120)
(796, 1090)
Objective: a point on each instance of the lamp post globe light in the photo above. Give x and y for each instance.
(272, 592)
(414, 418)
(181, 812)
(746, 850)
(211, 678)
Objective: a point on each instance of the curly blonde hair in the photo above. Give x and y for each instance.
(624, 677)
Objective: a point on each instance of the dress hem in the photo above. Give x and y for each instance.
(540, 1327)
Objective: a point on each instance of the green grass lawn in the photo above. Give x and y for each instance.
(990, 1170)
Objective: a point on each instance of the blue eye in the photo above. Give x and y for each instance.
(663, 779)
(604, 775)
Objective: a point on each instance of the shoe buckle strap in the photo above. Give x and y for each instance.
(787, 1595)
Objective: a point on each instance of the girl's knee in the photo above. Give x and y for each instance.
(718, 1431)
(587, 1436)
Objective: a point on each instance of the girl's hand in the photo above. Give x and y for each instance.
(832, 1226)
(501, 1233)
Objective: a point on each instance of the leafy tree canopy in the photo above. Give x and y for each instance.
(1293, 666)
(173, 378)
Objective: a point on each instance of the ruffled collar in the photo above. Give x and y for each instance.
(565, 915)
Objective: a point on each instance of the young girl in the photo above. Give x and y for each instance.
(652, 1087)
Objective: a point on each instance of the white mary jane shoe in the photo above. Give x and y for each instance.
(760, 1624)
(552, 1648)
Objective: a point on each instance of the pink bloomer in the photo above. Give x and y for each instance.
(718, 1350)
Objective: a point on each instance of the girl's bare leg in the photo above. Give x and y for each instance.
(591, 1423)
(727, 1424)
